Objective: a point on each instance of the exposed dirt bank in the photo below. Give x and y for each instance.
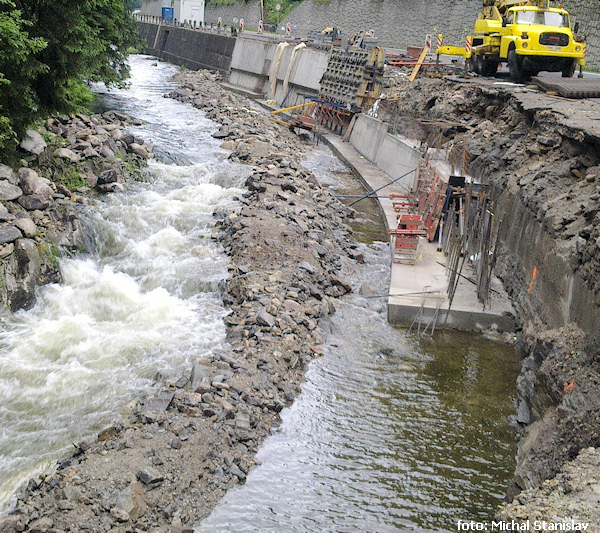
(541, 155)
(172, 459)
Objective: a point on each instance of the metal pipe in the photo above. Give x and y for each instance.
(277, 111)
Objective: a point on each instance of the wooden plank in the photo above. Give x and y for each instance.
(418, 65)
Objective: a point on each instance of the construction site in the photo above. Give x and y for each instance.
(484, 157)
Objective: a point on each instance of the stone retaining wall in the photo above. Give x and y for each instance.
(249, 11)
(587, 13)
(192, 49)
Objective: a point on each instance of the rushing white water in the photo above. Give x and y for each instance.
(144, 302)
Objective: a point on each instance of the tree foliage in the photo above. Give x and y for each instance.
(19, 68)
(52, 47)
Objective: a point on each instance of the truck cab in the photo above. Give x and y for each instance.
(541, 39)
(530, 36)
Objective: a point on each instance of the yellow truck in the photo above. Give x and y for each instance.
(530, 36)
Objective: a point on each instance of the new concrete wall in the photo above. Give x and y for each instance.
(251, 64)
(392, 155)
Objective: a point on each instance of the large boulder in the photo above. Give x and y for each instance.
(132, 500)
(8, 191)
(31, 183)
(5, 214)
(33, 142)
(7, 173)
(28, 178)
(108, 176)
(27, 226)
(31, 202)
(138, 149)
(65, 153)
(9, 234)
(22, 270)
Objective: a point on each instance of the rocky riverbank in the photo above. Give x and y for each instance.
(58, 167)
(171, 459)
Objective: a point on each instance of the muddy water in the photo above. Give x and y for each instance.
(390, 433)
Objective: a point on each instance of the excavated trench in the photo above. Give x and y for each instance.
(545, 179)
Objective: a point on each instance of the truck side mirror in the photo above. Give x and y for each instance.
(576, 28)
(504, 22)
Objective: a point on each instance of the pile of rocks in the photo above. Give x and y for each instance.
(572, 498)
(93, 145)
(34, 220)
(38, 216)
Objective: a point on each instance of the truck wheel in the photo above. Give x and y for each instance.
(515, 67)
(490, 67)
(476, 64)
(569, 70)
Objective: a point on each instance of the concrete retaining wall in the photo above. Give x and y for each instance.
(392, 155)
(251, 64)
(190, 48)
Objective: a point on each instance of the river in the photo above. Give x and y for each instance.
(390, 433)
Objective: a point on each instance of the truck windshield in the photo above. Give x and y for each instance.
(544, 18)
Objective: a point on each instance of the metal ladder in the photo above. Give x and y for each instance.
(421, 319)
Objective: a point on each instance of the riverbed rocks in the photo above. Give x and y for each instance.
(558, 401)
(39, 198)
(89, 145)
(571, 497)
(169, 461)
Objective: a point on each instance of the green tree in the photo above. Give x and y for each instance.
(19, 69)
(51, 49)
(87, 41)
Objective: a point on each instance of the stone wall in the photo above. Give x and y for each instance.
(190, 48)
(249, 11)
(587, 13)
(398, 24)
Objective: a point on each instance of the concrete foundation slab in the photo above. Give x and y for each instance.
(423, 286)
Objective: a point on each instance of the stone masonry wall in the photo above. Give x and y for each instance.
(400, 23)
(587, 13)
(397, 24)
(249, 11)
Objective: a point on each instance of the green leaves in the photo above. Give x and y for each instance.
(51, 48)
(19, 68)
